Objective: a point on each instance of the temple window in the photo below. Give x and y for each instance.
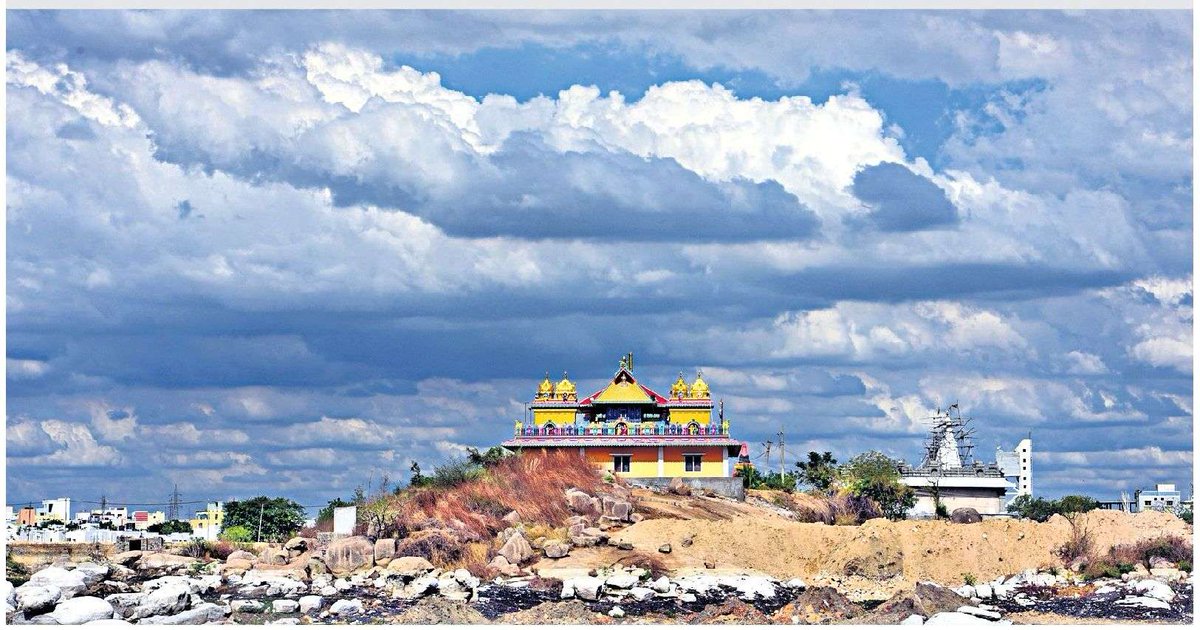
(621, 463)
(691, 463)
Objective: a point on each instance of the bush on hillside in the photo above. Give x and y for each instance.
(1040, 510)
(876, 476)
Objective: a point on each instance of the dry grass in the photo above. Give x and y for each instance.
(653, 564)
(532, 484)
(1174, 549)
(839, 509)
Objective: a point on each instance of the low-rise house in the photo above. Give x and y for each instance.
(143, 519)
(207, 523)
(1163, 498)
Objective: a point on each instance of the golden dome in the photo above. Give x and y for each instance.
(699, 387)
(565, 388)
(546, 389)
(680, 388)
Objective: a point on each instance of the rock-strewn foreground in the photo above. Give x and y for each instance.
(675, 560)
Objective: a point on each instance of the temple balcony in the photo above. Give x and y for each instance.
(620, 429)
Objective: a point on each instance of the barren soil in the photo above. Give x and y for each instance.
(880, 556)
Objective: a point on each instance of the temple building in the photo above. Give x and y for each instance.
(636, 433)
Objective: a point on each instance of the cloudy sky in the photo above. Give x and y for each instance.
(287, 253)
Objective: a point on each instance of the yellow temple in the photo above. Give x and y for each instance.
(631, 430)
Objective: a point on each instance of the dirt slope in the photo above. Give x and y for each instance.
(741, 537)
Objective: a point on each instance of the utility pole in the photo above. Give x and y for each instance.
(262, 506)
(781, 454)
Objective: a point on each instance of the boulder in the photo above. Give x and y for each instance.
(621, 580)
(285, 606)
(982, 613)
(1155, 589)
(124, 603)
(346, 607)
(819, 605)
(92, 573)
(512, 518)
(617, 510)
(33, 598)
(504, 567)
(516, 550)
(419, 587)
(128, 558)
(242, 554)
(347, 555)
(164, 561)
(309, 603)
(679, 486)
(166, 600)
(556, 549)
(588, 588)
(10, 594)
(80, 610)
(926, 599)
(247, 606)
(274, 556)
(409, 566)
(299, 544)
(664, 548)
(385, 549)
(71, 583)
(205, 612)
(661, 585)
(965, 515)
(582, 503)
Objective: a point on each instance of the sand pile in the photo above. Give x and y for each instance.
(880, 550)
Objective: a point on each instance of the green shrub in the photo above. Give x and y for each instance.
(1099, 569)
(237, 534)
(1185, 565)
(969, 579)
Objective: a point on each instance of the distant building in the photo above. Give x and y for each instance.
(27, 516)
(950, 475)
(117, 517)
(55, 509)
(142, 519)
(1163, 498)
(207, 523)
(10, 515)
(1017, 466)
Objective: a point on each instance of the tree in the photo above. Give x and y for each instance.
(488, 458)
(418, 480)
(877, 477)
(326, 513)
(171, 527)
(237, 533)
(819, 471)
(1039, 509)
(270, 519)
(755, 480)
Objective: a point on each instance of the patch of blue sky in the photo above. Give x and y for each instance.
(924, 109)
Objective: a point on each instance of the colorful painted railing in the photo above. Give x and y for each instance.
(620, 430)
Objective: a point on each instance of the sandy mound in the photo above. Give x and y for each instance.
(880, 550)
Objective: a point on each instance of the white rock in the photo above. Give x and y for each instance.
(285, 606)
(10, 594)
(568, 591)
(465, 578)
(965, 590)
(913, 620)
(1002, 591)
(70, 583)
(661, 585)
(617, 612)
(247, 606)
(205, 612)
(795, 583)
(79, 610)
(588, 588)
(621, 580)
(165, 600)
(1144, 602)
(979, 612)
(328, 591)
(309, 603)
(687, 598)
(92, 573)
(956, 619)
(983, 591)
(641, 593)
(37, 596)
(342, 584)
(1155, 589)
(108, 622)
(286, 621)
(346, 606)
